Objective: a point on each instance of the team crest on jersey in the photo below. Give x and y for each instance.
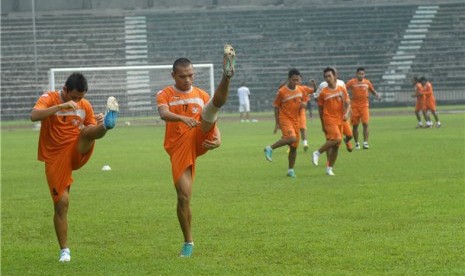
(76, 122)
(195, 110)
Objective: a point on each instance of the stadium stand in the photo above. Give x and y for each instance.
(269, 41)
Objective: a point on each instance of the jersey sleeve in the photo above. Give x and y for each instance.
(370, 86)
(44, 101)
(278, 100)
(162, 98)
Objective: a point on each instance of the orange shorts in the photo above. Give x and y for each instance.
(360, 113)
(346, 129)
(420, 105)
(303, 119)
(430, 103)
(59, 171)
(186, 150)
(290, 129)
(333, 131)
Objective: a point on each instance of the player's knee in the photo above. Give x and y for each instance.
(210, 112)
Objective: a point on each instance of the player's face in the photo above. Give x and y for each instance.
(360, 75)
(330, 78)
(183, 77)
(294, 80)
(72, 95)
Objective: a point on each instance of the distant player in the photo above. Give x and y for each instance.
(420, 102)
(430, 102)
(67, 137)
(359, 89)
(290, 100)
(191, 130)
(334, 109)
(243, 94)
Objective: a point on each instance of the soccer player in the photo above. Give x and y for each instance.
(191, 130)
(243, 94)
(346, 128)
(420, 102)
(359, 89)
(430, 102)
(290, 100)
(334, 109)
(66, 141)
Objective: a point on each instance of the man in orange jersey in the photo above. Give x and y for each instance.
(334, 109)
(290, 100)
(359, 89)
(191, 130)
(420, 102)
(346, 128)
(67, 137)
(430, 102)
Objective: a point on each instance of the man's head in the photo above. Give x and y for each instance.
(423, 80)
(75, 87)
(330, 76)
(360, 73)
(183, 74)
(294, 78)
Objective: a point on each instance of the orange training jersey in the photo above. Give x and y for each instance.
(61, 129)
(332, 101)
(427, 90)
(360, 91)
(188, 104)
(290, 101)
(308, 91)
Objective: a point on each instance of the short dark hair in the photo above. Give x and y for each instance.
(360, 69)
(330, 69)
(181, 62)
(422, 79)
(293, 72)
(76, 81)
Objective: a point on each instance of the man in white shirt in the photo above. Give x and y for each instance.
(244, 104)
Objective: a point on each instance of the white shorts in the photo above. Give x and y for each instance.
(244, 107)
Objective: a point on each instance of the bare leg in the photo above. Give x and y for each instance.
(365, 132)
(292, 156)
(60, 219)
(88, 136)
(184, 193)
(219, 99)
(329, 144)
(332, 155)
(283, 142)
(355, 132)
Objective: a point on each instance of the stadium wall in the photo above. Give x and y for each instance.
(9, 6)
(269, 41)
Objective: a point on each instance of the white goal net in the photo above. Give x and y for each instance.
(133, 86)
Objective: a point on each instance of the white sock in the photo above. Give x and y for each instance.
(305, 143)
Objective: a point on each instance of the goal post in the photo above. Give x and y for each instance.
(133, 86)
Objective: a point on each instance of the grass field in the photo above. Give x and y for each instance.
(397, 208)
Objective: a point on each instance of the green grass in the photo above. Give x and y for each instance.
(397, 208)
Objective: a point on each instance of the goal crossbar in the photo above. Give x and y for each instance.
(52, 71)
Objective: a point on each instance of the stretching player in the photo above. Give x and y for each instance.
(67, 137)
(191, 130)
